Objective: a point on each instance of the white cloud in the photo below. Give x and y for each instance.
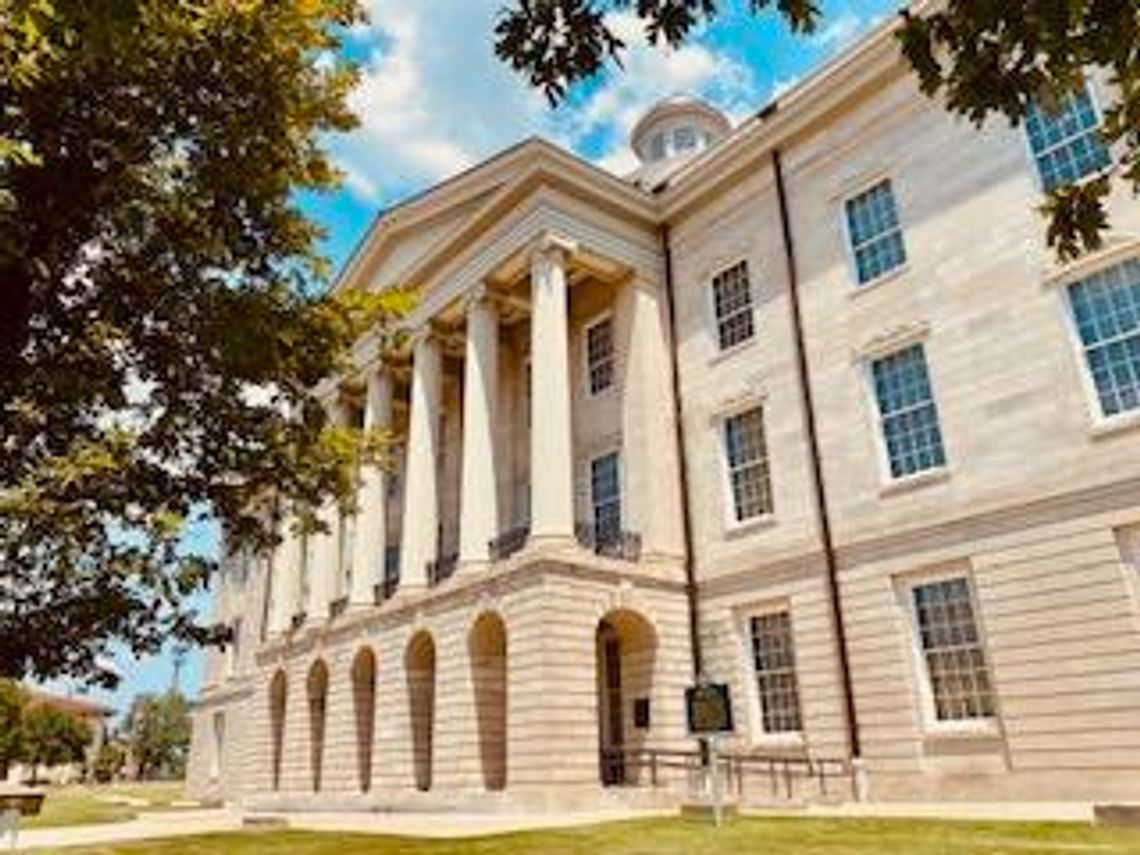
(434, 99)
(840, 31)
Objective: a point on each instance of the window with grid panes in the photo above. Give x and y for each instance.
(1106, 309)
(600, 356)
(732, 303)
(746, 454)
(774, 660)
(875, 232)
(1066, 143)
(955, 662)
(908, 415)
(605, 496)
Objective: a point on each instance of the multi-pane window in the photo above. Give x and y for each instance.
(956, 666)
(684, 139)
(907, 413)
(774, 660)
(746, 454)
(732, 302)
(875, 232)
(605, 496)
(1106, 308)
(600, 356)
(1066, 142)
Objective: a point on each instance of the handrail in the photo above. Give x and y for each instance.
(622, 545)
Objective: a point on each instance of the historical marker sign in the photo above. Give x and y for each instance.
(709, 709)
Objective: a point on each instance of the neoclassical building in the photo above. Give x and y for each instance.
(806, 404)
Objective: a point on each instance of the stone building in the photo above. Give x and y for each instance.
(808, 398)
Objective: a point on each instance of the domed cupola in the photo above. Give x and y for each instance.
(676, 127)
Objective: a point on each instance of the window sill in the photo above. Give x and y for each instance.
(779, 742)
(914, 482)
(1110, 425)
(729, 352)
(962, 731)
(862, 288)
(734, 530)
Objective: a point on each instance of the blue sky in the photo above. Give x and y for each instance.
(434, 100)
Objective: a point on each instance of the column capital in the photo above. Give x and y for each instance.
(478, 296)
(551, 246)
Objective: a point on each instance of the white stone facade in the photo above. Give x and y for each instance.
(545, 342)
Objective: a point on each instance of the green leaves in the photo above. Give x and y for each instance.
(159, 341)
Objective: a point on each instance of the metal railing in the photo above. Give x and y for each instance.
(772, 777)
(385, 590)
(298, 620)
(442, 569)
(338, 607)
(610, 543)
(509, 542)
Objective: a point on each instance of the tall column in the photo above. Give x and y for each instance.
(652, 467)
(479, 494)
(371, 507)
(326, 572)
(551, 450)
(421, 496)
(284, 584)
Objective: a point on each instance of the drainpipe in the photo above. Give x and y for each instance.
(819, 488)
(682, 459)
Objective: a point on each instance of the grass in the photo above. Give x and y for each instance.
(770, 836)
(81, 804)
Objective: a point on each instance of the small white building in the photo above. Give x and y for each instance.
(808, 398)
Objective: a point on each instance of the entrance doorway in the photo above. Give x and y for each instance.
(626, 646)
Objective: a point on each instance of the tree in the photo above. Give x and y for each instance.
(157, 731)
(13, 701)
(109, 762)
(161, 333)
(53, 737)
(982, 58)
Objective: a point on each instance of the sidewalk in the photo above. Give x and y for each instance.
(465, 824)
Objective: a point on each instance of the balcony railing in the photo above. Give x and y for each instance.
(338, 607)
(509, 542)
(442, 569)
(385, 590)
(609, 542)
(297, 621)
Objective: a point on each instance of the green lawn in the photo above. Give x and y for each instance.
(687, 837)
(83, 805)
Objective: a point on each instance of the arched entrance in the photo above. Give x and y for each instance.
(277, 688)
(626, 650)
(419, 665)
(318, 691)
(364, 708)
(487, 649)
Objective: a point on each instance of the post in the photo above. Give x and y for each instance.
(479, 494)
(371, 513)
(552, 463)
(421, 499)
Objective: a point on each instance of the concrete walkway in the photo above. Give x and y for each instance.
(461, 824)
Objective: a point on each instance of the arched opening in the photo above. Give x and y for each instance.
(318, 686)
(626, 649)
(419, 665)
(364, 707)
(487, 649)
(277, 724)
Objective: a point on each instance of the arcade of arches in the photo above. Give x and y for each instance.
(469, 710)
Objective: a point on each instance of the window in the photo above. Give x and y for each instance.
(605, 495)
(306, 564)
(907, 412)
(746, 453)
(219, 745)
(732, 303)
(875, 233)
(600, 356)
(657, 147)
(684, 139)
(1066, 144)
(1106, 310)
(774, 660)
(233, 648)
(956, 668)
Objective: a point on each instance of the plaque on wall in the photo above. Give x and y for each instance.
(708, 709)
